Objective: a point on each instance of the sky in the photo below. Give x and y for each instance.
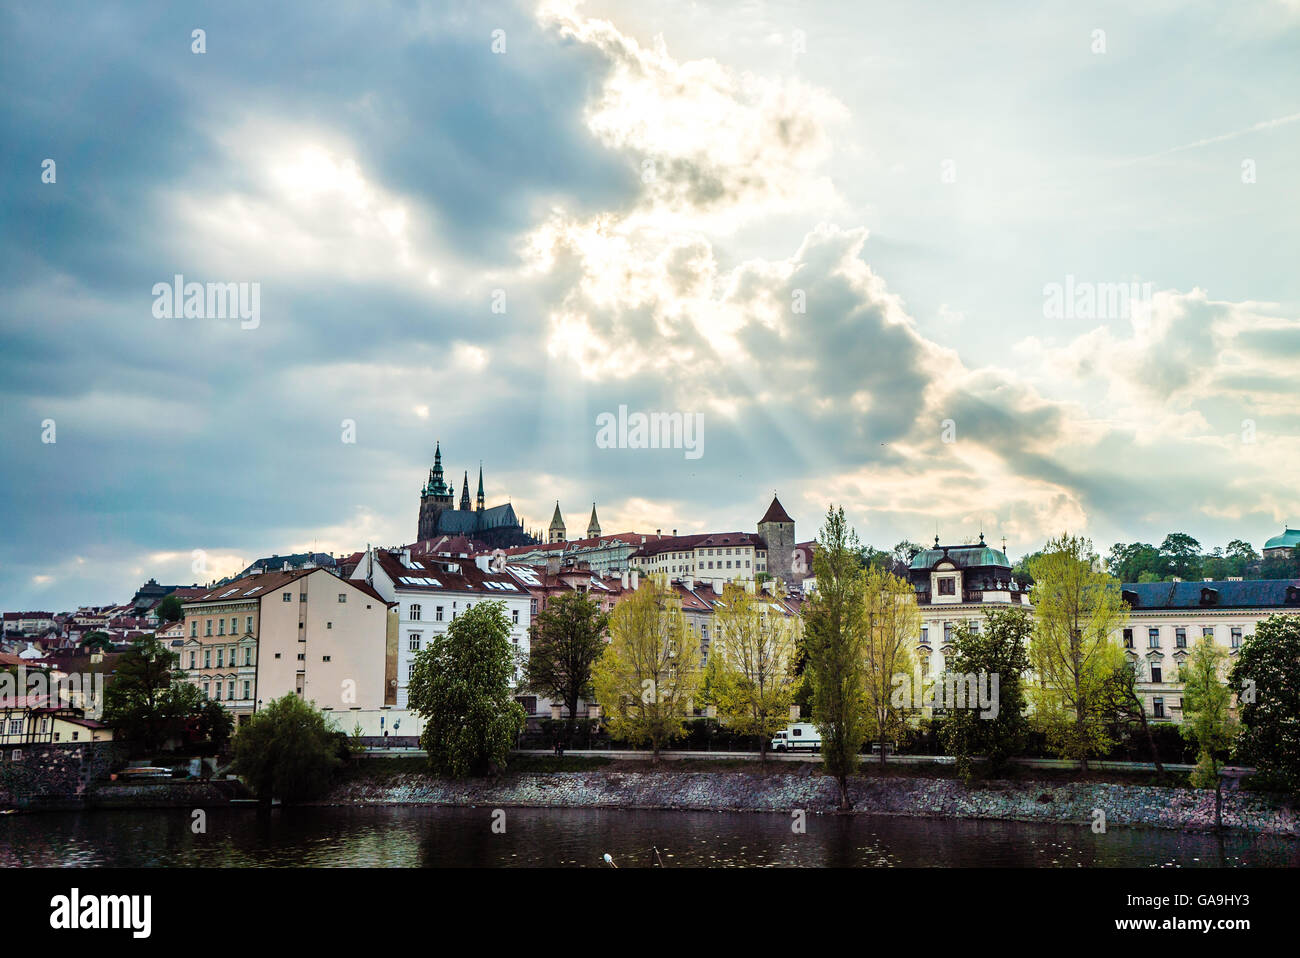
(876, 250)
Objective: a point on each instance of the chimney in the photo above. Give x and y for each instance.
(552, 565)
(483, 563)
(674, 532)
(625, 578)
(717, 587)
(658, 531)
(285, 566)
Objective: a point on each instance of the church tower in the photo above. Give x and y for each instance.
(593, 527)
(479, 502)
(556, 532)
(434, 497)
(776, 528)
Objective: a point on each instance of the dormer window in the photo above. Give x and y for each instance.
(947, 586)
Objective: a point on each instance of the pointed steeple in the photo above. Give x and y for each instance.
(556, 531)
(464, 492)
(437, 486)
(479, 501)
(593, 527)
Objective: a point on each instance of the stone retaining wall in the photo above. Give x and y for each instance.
(1123, 805)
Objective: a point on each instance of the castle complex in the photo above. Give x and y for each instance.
(498, 527)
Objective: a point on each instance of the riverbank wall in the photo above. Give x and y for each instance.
(1082, 803)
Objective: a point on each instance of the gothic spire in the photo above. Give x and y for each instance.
(464, 492)
(593, 527)
(480, 504)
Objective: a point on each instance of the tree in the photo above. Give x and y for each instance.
(461, 685)
(1207, 716)
(97, 640)
(872, 558)
(891, 624)
(835, 645)
(1281, 567)
(1001, 648)
(169, 609)
(1180, 555)
(1122, 702)
(1020, 571)
(146, 702)
(287, 751)
(1268, 696)
(903, 554)
(751, 665)
(566, 640)
(1077, 610)
(649, 672)
(1128, 561)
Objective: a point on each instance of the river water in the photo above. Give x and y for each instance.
(411, 836)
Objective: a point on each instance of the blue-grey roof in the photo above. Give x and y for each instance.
(1247, 594)
(469, 521)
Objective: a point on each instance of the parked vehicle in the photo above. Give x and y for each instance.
(801, 736)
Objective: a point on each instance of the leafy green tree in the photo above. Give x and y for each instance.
(1268, 698)
(1077, 610)
(1207, 716)
(1129, 561)
(891, 624)
(1122, 702)
(1281, 567)
(1180, 555)
(648, 675)
(1001, 648)
(751, 664)
(169, 609)
(97, 641)
(145, 701)
(287, 751)
(870, 557)
(1020, 570)
(835, 644)
(461, 685)
(566, 640)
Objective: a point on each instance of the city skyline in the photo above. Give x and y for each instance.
(882, 272)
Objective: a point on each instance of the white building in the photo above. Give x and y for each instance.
(431, 590)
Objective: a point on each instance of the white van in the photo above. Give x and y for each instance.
(801, 735)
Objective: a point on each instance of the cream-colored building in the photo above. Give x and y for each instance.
(330, 640)
(1168, 618)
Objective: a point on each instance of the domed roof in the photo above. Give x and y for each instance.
(1287, 540)
(964, 557)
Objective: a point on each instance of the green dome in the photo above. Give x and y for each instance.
(1287, 540)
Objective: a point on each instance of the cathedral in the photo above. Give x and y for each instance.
(498, 527)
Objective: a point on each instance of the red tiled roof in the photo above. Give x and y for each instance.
(702, 540)
(776, 512)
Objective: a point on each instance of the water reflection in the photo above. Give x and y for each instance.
(411, 836)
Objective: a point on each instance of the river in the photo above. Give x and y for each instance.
(422, 836)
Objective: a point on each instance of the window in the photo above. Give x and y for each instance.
(343, 597)
(221, 626)
(234, 625)
(247, 689)
(410, 672)
(1155, 673)
(1128, 638)
(324, 658)
(194, 656)
(205, 689)
(329, 625)
(414, 645)
(248, 627)
(230, 690)
(925, 635)
(1153, 638)
(947, 633)
(302, 656)
(1207, 631)
(302, 596)
(532, 607)
(194, 628)
(414, 615)
(15, 726)
(1236, 638)
(288, 597)
(218, 690)
(514, 615)
(1158, 707)
(947, 586)
(221, 657)
(248, 658)
(437, 613)
(1180, 638)
(207, 626)
(207, 658)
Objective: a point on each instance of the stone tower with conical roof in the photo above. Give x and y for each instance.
(777, 530)
(556, 531)
(593, 527)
